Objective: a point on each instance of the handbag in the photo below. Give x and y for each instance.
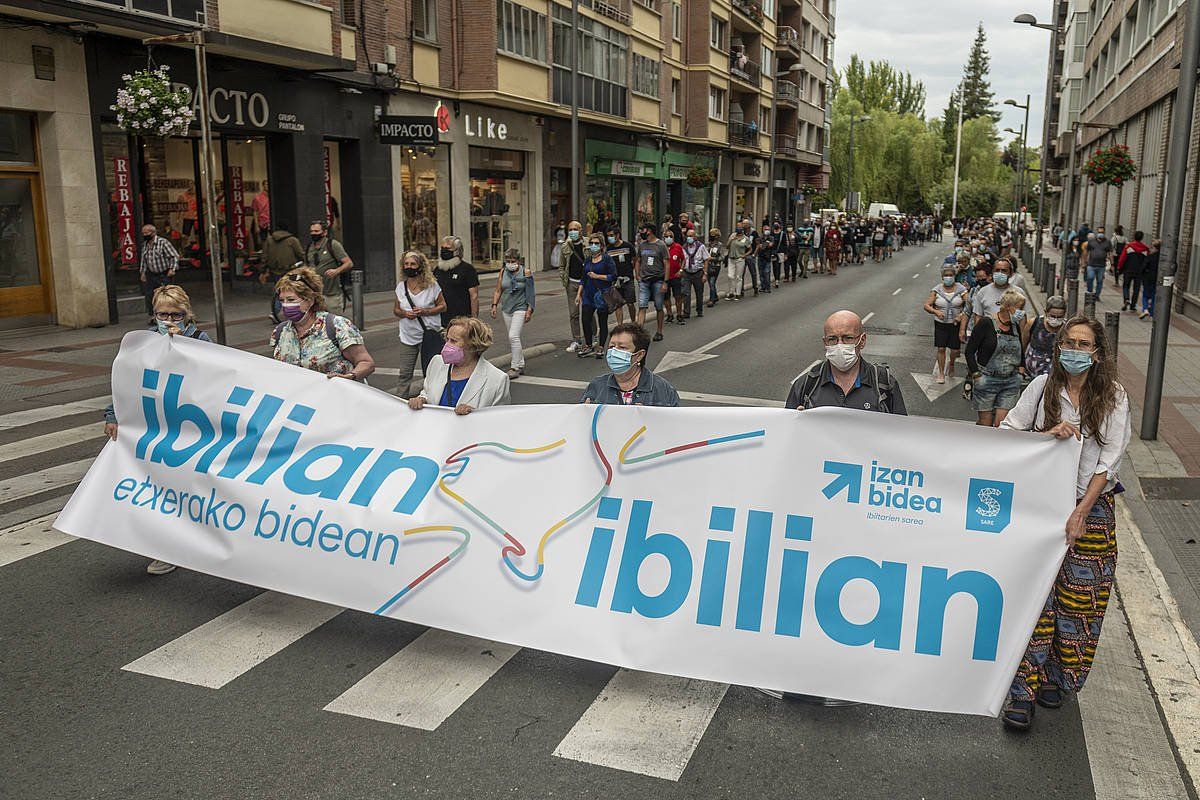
(432, 340)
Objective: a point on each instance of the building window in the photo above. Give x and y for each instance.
(768, 8)
(718, 33)
(603, 64)
(1079, 38)
(764, 120)
(767, 60)
(716, 103)
(521, 31)
(675, 109)
(677, 21)
(350, 13)
(425, 20)
(645, 75)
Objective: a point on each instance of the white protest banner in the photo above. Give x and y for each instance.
(897, 561)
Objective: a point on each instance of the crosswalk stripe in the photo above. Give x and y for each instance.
(235, 642)
(49, 441)
(644, 723)
(426, 682)
(51, 478)
(29, 539)
(15, 419)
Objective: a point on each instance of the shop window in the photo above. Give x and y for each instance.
(497, 180)
(16, 139)
(425, 197)
(644, 202)
(249, 199)
(333, 189)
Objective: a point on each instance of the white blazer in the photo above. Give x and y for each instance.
(487, 386)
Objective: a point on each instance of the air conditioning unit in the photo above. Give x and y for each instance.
(379, 68)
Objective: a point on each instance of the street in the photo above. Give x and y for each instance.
(120, 684)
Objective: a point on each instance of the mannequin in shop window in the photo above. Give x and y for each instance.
(260, 206)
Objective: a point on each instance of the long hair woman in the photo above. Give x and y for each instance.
(1078, 397)
(419, 305)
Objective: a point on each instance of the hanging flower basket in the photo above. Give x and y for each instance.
(700, 177)
(808, 190)
(148, 106)
(1110, 165)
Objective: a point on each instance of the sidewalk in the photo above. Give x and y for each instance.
(1162, 476)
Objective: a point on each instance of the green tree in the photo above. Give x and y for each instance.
(978, 100)
(879, 85)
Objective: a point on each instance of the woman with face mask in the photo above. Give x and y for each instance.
(419, 305)
(514, 297)
(1043, 333)
(599, 272)
(312, 337)
(459, 377)
(995, 358)
(946, 302)
(172, 317)
(1079, 397)
(629, 382)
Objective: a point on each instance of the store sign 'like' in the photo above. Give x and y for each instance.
(408, 130)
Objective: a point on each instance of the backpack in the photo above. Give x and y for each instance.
(883, 375)
(330, 331)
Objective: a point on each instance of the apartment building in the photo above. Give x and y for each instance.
(1120, 71)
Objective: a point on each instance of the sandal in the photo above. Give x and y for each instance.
(1018, 714)
(1050, 697)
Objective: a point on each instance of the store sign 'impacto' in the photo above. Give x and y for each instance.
(418, 131)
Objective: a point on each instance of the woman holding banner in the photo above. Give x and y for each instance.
(314, 338)
(1079, 397)
(459, 377)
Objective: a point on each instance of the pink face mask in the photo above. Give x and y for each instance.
(452, 353)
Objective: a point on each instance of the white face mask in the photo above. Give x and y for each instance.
(843, 357)
(1053, 322)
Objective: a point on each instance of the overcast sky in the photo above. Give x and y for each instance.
(932, 38)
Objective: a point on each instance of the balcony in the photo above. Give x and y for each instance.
(787, 92)
(789, 39)
(743, 135)
(744, 69)
(785, 146)
(749, 8)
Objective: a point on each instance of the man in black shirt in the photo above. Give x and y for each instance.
(621, 252)
(766, 258)
(458, 279)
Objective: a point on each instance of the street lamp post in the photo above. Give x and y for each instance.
(850, 169)
(576, 200)
(774, 136)
(1055, 32)
(1024, 149)
(1020, 171)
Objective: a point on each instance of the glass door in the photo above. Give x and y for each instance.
(24, 260)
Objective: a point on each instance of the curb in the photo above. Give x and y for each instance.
(504, 361)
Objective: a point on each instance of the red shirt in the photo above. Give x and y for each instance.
(675, 260)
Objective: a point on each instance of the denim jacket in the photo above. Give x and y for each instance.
(651, 390)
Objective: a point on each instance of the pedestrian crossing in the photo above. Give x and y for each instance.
(639, 723)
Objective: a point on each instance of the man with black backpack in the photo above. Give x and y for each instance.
(844, 379)
(328, 258)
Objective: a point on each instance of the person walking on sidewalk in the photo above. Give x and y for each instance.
(651, 266)
(599, 273)
(946, 302)
(674, 290)
(739, 250)
(282, 253)
(1099, 253)
(326, 256)
(419, 306)
(514, 297)
(1081, 398)
(717, 256)
(157, 265)
(1043, 335)
(570, 273)
(458, 279)
(621, 252)
(1150, 280)
(695, 269)
(1131, 266)
(764, 252)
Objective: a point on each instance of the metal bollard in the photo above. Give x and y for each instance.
(1089, 305)
(1072, 296)
(356, 298)
(1112, 329)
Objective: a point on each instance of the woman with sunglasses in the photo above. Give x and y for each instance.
(1078, 397)
(314, 338)
(172, 317)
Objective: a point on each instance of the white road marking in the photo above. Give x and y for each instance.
(931, 388)
(867, 318)
(55, 477)
(49, 441)
(720, 340)
(700, 397)
(426, 682)
(674, 359)
(644, 723)
(29, 539)
(238, 640)
(898, 291)
(16, 419)
(917, 275)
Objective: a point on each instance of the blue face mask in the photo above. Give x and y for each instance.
(1075, 361)
(612, 240)
(162, 326)
(1000, 279)
(593, 248)
(573, 236)
(1017, 316)
(669, 240)
(948, 280)
(619, 361)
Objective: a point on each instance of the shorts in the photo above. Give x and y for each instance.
(676, 286)
(945, 334)
(651, 288)
(992, 394)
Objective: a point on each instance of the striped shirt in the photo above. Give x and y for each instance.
(158, 257)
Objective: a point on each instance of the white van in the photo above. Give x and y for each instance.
(879, 210)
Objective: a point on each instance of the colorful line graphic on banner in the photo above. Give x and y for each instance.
(462, 546)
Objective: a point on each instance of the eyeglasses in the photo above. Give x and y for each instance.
(1083, 345)
(300, 276)
(846, 338)
(170, 316)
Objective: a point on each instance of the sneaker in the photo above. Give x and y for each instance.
(160, 568)
(598, 354)
(1144, 314)
(584, 351)
(699, 313)
(670, 318)
(657, 337)
(572, 347)
(515, 373)
(776, 283)
(680, 321)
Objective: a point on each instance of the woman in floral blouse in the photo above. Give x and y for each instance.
(314, 338)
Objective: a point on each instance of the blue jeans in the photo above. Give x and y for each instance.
(764, 272)
(752, 268)
(1149, 291)
(1094, 275)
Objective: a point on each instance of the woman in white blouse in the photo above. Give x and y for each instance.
(1079, 397)
(460, 378)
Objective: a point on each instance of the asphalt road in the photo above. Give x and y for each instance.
(81, 720)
